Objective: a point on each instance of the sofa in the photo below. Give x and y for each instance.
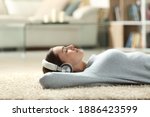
(46, 23)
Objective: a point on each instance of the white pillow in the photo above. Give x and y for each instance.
(48, 5)
(3, 9)
(22, 7)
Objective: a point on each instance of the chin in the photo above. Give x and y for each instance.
(81, 53)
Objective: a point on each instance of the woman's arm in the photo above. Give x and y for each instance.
(60, 80)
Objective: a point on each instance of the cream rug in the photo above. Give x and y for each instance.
(17, 85)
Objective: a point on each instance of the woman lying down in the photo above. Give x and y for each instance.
(64, 67)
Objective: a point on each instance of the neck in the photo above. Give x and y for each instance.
(79, 67)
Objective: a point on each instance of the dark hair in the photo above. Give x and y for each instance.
(53, 58)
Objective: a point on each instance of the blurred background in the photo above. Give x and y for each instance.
(28, 28)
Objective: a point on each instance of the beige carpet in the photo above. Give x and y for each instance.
(26, 86)
(19, 79)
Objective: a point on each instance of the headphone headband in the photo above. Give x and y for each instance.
(50, 65)
(64, 67)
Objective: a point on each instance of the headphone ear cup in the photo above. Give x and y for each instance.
(66, 67)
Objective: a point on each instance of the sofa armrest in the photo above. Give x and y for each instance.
(87, 14)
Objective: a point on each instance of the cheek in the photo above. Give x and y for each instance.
(67, 58)
(74, 57)
(62, 57)
(71, 57)
(73, 54)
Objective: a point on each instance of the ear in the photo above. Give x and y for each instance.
(66, 67)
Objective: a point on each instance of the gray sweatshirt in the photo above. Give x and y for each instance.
(110, 67)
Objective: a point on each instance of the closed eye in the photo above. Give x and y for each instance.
(64, 49)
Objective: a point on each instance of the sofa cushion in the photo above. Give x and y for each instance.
(72, 7)
(22, 7)
(3, 9)
(48, 5)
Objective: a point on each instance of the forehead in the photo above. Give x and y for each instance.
(57, 49)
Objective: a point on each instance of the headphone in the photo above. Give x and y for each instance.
(51, 66)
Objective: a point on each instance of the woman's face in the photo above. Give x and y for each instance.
(69, 54)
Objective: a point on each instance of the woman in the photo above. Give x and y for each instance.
(111, 66)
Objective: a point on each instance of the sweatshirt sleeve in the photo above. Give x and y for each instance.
(60, 80)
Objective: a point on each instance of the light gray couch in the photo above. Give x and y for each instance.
(80, 28)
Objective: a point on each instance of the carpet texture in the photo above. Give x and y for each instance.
(20, 85)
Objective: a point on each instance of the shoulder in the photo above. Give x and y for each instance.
(113, 51)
